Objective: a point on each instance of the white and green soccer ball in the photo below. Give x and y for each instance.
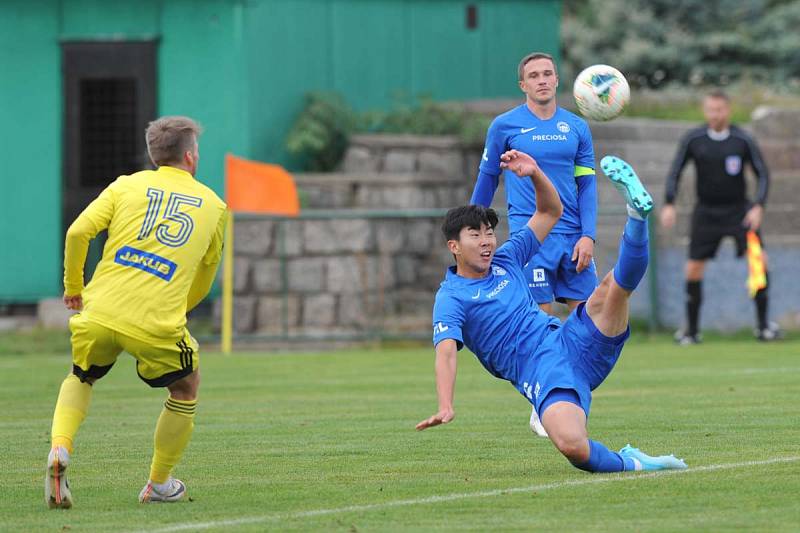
(601, 92)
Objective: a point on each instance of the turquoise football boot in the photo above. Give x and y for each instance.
(628, 184)
(645, 462)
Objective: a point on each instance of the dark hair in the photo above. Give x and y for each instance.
(467, 216)
(718, 94)
(530, 57)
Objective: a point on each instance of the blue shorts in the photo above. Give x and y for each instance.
(573, 356)
(551, 272)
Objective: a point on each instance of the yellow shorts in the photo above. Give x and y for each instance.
(95, 349)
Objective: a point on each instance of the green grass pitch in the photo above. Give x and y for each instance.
(300, 442)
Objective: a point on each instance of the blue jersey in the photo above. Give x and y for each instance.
(559, 145)
(495, 316)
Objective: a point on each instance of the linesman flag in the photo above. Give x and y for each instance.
(756, 273)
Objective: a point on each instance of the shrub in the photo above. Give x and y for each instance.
(321, 132)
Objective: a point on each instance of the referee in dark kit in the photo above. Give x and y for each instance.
(719, 151)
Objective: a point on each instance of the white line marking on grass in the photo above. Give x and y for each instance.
(459, 496)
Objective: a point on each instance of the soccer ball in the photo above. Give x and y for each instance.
(601, 92)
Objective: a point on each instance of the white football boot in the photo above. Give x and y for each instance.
(536, 424)
(172, 491)
(56, 488)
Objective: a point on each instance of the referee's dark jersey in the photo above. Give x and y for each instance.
(720, 168)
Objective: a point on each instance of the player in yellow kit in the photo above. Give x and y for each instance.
(165, 235)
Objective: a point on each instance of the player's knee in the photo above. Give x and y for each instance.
(695, 270)
(572, 444)
(185, 388)
(84, 378)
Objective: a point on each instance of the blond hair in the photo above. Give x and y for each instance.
(168, 138)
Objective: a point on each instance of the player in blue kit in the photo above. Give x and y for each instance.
(561, 144)
(484, 304)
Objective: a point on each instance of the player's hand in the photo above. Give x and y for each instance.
(74, 302)
(519, 163)
(752, 219)
(442, 417)
(583, 253)
(668, 216)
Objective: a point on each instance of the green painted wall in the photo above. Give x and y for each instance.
(200, 68)
(241, 67)
(374, 51)
(30, 146)
(200, 73)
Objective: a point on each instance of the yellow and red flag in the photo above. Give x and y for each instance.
(756, 272)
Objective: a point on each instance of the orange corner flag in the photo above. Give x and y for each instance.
(756, 277)
(259, 187)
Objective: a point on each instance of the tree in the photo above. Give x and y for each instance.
(655, 42)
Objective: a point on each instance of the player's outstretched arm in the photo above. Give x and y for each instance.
(548, 203)
(446, 361)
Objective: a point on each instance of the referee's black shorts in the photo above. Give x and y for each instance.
(710, 223)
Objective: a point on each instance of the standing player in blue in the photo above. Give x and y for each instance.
(561, 144)
(484, 304)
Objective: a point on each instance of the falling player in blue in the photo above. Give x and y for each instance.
(484, 304)
(561, 144)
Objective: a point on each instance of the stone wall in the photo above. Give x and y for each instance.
(650, 146)
(360, 260)
(336, 273)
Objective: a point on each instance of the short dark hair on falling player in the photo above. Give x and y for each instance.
(467, 216)
(530, 57)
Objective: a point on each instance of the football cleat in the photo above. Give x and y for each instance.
(56, 488)
(172, 491)
(628, 184)
(770, 333)
(536, 425)
(645, 462)
(684, 339)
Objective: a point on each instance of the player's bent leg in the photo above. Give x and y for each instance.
(173, 364)
(565, 421)
(173, 431)
(94, 352)
(608, 307)
(70, 411)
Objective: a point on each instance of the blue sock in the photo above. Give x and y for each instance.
(636, 230)
(633, 255)
(601, 459)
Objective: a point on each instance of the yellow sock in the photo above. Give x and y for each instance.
(173, 430)
(71, 408)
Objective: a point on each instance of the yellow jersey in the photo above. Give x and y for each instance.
(165, 229)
